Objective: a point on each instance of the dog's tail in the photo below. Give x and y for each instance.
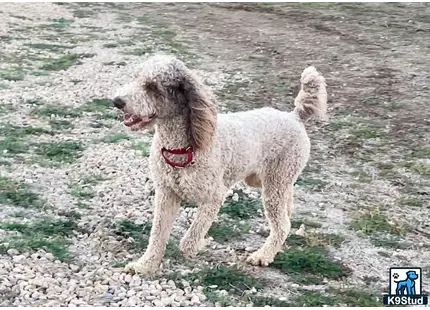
(312, 98)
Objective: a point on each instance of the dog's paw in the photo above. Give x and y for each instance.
(188, 249)
(140, 268)
(260, 259)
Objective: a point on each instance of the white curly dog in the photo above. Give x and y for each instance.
(197, 154)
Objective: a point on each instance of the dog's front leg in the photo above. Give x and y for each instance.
(194, 237)
(166, 209)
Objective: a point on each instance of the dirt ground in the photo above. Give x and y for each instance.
(364, 197)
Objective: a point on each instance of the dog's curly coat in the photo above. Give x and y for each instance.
(266, 148)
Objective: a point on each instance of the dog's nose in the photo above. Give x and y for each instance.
(118, 103)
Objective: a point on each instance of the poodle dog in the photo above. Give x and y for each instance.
(197, 154)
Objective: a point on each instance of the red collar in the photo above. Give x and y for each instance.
(189, 151)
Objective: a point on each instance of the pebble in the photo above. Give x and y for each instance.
(158, 303)
(74, 268)
(12, 252)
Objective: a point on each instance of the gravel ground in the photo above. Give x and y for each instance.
(76, 198)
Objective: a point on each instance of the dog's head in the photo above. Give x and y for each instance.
(412, 275)
(165, 89)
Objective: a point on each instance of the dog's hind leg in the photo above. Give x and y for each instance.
(278, 206)
(166, 209)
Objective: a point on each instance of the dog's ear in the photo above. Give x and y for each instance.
(202, 112)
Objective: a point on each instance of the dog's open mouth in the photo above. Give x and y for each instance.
(136, 122)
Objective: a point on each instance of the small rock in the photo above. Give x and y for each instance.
(49, 256)
(167, 301)
(18, 258)
(74, 268)
(128, 278)
(158, 303)
(35, 295)
(12, 252)
(301, 231)
(195, 300)
(133, 301)
(171, 283)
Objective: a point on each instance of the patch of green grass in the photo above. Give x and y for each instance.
(58, 247)
(315, 184)
(73, 215)
(82, 193)
(389, 241)
(422, 152)
(102, 107)
(44, 234)
(396, 105)
(296, 222)
(373, 100)
(82, 189)
(139, 51)
(60, 152)
(11, 146)
(49, 46)
(335, 297)
(83, 205)
(232, 279)
(412, 201)
(18, 194)
(110, 45)
(44, 227)
(420, 168)
(119, 264)
(243, 209)
(374, 222)
(140, 234)
(362, 176)
(12, 74)
(315, 240)
(61, 22)
(60, 124)
(387, 170)
(51, 109)
(5, 163)
(93, 179)
(338, 124)
(82, 13)
(260, 301)
(311, 261)
(7, 108)
(227, 229)
(229, 278)
(365, 133)
(115, 138)
(98, 107)
(19, 132)
(143, 147)
(34, 102)
(14, 141)
(64, 62)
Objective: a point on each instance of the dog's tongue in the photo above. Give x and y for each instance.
(131, 120)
